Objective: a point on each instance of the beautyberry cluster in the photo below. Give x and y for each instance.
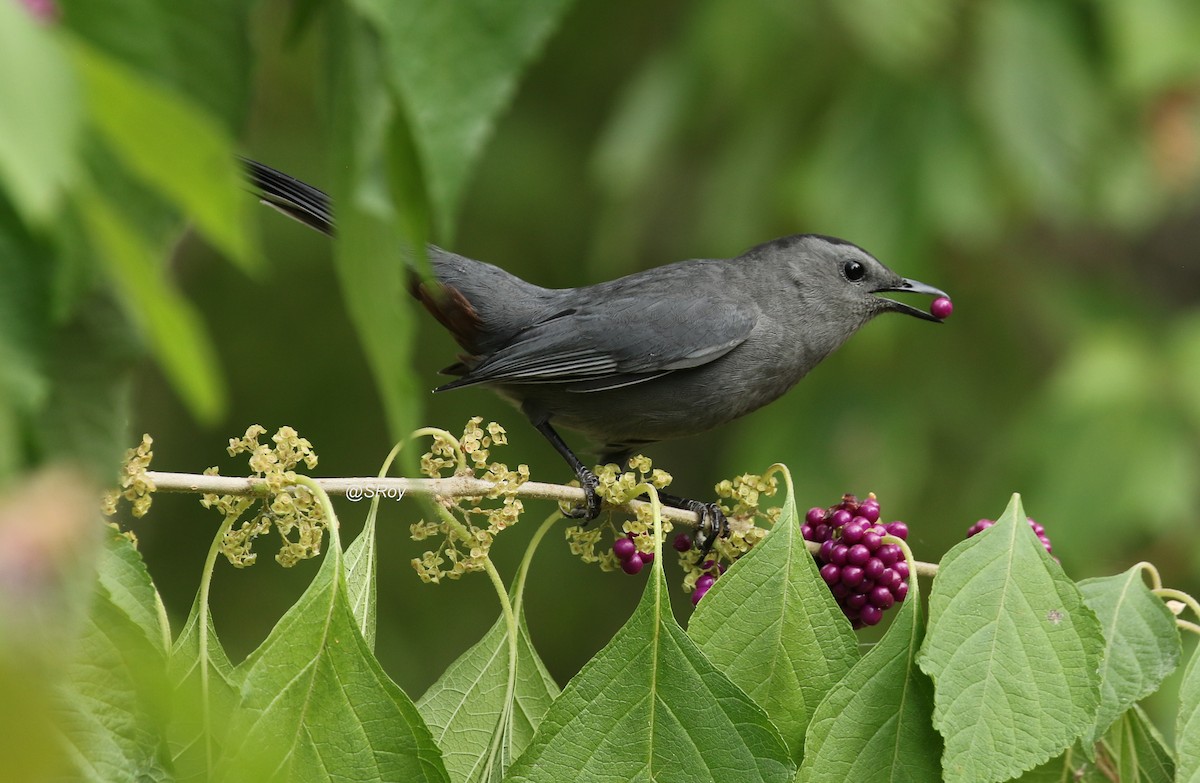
(711, 572)
(631, 559)
(865, 575)
(1038, 530)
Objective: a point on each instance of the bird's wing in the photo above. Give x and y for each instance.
(616, 343)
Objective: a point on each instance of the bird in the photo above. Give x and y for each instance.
(659, 354)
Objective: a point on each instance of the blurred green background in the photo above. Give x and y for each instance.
(1038, 160)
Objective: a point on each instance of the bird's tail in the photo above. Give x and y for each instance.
(481, 305)
(296, 199)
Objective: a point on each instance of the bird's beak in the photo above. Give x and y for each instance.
(913, 287)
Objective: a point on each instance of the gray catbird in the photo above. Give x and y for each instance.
(659, 354)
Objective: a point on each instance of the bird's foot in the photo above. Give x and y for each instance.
(713, 525)
(591, 498)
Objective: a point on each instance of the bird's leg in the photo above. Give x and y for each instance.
(587, 479)
(713, 524)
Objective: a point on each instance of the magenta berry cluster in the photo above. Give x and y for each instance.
(632, 561)
(712, 572)
(865, 575)
(1038, 530)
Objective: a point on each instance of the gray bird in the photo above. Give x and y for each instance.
(660, 354)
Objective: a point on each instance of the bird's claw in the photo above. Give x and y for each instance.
(591, 498)
(713, 525)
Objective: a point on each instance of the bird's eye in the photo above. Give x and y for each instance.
(854, 271)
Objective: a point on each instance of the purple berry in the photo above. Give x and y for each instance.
(821, 532)
(872, 540)
(837, 555)
(869, 510)
(624, 548)
(840, 591)
(697, 594)
(979, 527)
(901, 568)
(881, 597)
(840, 517)
(874, 568)
(815, 516)
(890, 554)
(897, 529)
(870, 615)
(856, 602)
(682, 542)
(806, 532)
(941, 307)
(705, 581)
(831, 573)
(900, 591)
(858, 555)
(852, 531)
(852, 576)
(826, 550)
(632, 564)
(647, 557)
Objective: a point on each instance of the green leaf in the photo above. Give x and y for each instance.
(1141, 647)
(1071, 767)
(381, 216)
(650, 706)
(465, 707)
(126, 583)
(876, 723)
(772, 627)
(39, 135)
(173, 146)
(456, 66)
(1136, 751)
(1014, 654)
(314, 699)
(204, 698)
(113, 700)
(361, 560)
(1187, 725)
(166, 41)
(176, 334)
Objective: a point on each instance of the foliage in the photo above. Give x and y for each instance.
(1016, 668)
(1038, 159)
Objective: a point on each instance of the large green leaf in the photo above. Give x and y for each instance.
(361, 559)
(876, 723)
(465, 708)
(1187, 726)
(176, 334)
(1136, 751)
(113, 699)
(1141, 643)
(173, 146)
(315, 700)
(771, 626)
(456, 66)
(198, 48)
(380, 212)
(1014, 654)
(205, 693)
(40, 120)
(651, 707)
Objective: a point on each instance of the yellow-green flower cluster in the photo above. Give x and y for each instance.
(739, 498)
(465, 525)
(294, 511)
(136, 486)
(618, 487)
